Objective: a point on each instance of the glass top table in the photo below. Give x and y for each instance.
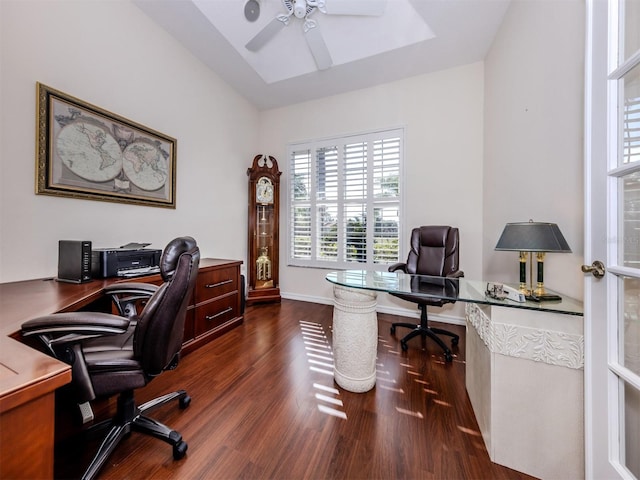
(454, 289)
(355, 326)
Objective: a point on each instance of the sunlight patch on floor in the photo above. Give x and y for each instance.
(389, 348)
(469, 431)
(314, 336)
(392, 389)
(320, 360)
(320, 370)
(328, 399)
(332, 411)
(313, 332)
(316, 344)
(409, 412)
(311, 349)
(321, 357)
(325, 388)
(384, 379)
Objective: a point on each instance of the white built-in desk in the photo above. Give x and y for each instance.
(524, 364)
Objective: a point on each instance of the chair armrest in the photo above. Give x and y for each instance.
(398, 266)
(456, 274)
(82, 324)
(125, 296)
(131, 288)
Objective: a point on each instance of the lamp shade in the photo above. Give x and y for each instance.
(532, 237)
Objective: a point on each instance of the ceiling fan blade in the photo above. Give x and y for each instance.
(318, 48)
(264, 35)
(354, 7)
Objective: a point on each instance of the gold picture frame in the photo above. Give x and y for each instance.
(86, 152)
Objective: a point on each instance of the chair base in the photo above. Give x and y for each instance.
(425, 331)
(130, 417)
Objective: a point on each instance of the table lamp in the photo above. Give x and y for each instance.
(529, 237)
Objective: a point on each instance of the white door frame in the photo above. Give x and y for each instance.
(597, 447)
(603, 445)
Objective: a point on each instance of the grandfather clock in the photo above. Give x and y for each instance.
(264, 209)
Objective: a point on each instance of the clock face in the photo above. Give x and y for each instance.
(264, 190)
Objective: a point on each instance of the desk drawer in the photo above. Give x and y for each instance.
(213, 314)
(216, 282)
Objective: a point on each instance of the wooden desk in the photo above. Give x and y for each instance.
(29, 378)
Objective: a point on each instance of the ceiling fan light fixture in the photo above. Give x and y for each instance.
(300, 8)
(303, 9)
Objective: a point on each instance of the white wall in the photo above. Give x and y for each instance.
(534, 78)
(442, 115)
(110, 54)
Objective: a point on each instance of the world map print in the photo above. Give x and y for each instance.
(98, 154)
(89, 151)
(86, 152)
(145, 166)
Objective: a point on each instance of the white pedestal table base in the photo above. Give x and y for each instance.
(355, 338)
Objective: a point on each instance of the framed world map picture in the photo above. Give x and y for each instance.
(86, 152)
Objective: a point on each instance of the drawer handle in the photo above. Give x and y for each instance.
(214, 285)
(211, 317)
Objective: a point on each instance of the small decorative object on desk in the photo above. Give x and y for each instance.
(494, 290)
(504, 292)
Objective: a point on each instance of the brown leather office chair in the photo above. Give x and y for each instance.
(111, 354)
(434, 252)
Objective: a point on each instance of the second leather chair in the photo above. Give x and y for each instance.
(434, 252)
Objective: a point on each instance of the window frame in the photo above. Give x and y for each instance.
(370, 202)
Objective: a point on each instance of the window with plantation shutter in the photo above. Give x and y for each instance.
(631, 127)
(345, 200)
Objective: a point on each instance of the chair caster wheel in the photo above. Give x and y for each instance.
(393, 330)
(448, 356)
(184, 402)
(180, 450)
(404, 346)
(454, 341)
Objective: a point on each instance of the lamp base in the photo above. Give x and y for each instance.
(545, 297)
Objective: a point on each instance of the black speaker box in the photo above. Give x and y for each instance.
(74, 261)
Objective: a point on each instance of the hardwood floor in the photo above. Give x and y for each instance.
(265, 407)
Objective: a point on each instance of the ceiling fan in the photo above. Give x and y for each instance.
(303, 9)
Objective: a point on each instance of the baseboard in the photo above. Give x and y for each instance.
(402, 312)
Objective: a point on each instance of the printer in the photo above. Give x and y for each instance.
(124, 262)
